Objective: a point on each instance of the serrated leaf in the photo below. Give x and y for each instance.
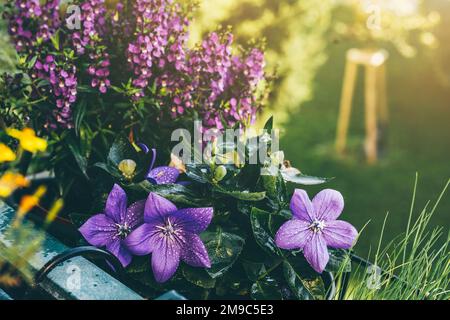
(242, 195)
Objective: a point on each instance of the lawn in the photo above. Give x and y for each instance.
(418, 140)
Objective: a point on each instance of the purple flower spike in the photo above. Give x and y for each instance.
(170, 235)
(109, 229)
(314, 227)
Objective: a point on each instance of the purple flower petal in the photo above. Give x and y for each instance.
(293, 234)
(194, 252)
(163, 175)
(194, 220)
(165, 259)
(316, 252)
(339, 234)
(116, 205)
(118, 249)
(135, 214)
(144, 148)
(99, 230)
(328, 204)
(157, 207)
(143, 240)
(301, 206)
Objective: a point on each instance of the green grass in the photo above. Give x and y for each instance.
(419, 259)
(418, 141)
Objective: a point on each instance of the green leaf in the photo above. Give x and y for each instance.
(260, 221)
(78, 219)
(339, 261)
(254, 269)
(80, 112)
(269, 125)
(140, 265)
(275, 187)
(80, 158)
(199, 277)
(266, 289)
(299, 178)
(85, 89)
(121, 150)
(198, 173)
(304, 282)
(223, 250)
(113, 171)
(295, 282)
(55, 40)
(174, 192)
(270, 185)
(32, 62)
(244, 207)
(248, 175)
(241, 195)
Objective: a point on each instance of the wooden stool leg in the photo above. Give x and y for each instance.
(351, 70)
(383, 108)
(371, 114)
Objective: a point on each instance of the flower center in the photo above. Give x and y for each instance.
(317, 226)
(168, 228)
(123, 230)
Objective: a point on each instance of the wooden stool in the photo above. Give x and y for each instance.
(374, 62)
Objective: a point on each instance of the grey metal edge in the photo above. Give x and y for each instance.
(77, 278)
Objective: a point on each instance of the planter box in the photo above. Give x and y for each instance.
(76, 278)
(4, 295)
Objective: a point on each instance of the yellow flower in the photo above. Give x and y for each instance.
(28, 202)
(53, 213)
(10, 181)
(28, 139)
(6, 154)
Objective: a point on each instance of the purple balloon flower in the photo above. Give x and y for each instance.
(170, 235)
(314, 227)
(109, 229)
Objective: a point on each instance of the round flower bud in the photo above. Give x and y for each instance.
(220, 173)
(128, 168)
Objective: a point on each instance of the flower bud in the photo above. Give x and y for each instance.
(220, 173)
(128, 168)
